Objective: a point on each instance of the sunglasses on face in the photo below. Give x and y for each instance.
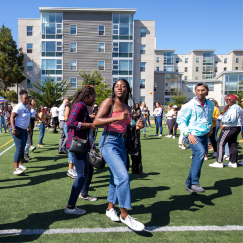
(228, 100)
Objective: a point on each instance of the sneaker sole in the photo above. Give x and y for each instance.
(114, 220)
(191, 191)
(74, 177)
(33, 149)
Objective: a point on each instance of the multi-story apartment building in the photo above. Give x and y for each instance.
(65, 40)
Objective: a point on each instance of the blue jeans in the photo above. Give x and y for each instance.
(217, 129)
(20, 142)
(198, 154)
(27, 146)
(144, 121)
(81, 164)
(147, 119)
(42, 131)
(115, 155)
(158, 123)
(2, 122)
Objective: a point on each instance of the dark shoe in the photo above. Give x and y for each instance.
(197, 188)
(27, 157)
(191, 191)
(64, 151)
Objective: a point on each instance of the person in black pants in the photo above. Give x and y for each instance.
(173, 124)
(54, 115)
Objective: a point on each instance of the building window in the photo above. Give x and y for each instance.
(101, 65)
(30, 83)
(185, 78)
(73, 29)
(157, 59)
(211, 86)
(59, 46)
(157, 68)
(177, 69)
(225, 68)
(73, 83)
(73, 65)
(177, 60)
(237, 60)
(101, 30)
(142, 49)
(115, 64)
(142, 66)
(236, 68)
(142, 32)
(190, 87)
(29, 30)
(216, 70)
(197, 60)
(155, 86)
(142, 99)
(73, 47)
(197, 69)
(186, 60)
(101, 47)
(196, 77)
(216, 60)
(29, 66)
(185, 69)
(225, 60)
(142, 84)
(29, 48)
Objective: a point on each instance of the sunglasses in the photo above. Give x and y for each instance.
(228, 100)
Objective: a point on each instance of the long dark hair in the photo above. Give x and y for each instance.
(129, 94)
(80, 96)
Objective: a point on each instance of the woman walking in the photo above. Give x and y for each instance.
(114, 114)
(79, 124)
(158, 118)
(231, 122)
(136, 114)
(20, 119)
(144, 116)
(41, 126)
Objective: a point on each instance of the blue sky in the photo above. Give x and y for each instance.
(179, 24)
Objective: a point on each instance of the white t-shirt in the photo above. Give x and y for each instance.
(54, 111)
(157, 111)
(6, 116)
(61, 111)
(170, 113)
(33, 112)
(23, 118)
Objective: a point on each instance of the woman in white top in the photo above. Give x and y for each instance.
(20, 119)
(169, 116)
(158, 119)
(143, 115)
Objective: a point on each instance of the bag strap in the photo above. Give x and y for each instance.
(112, 107)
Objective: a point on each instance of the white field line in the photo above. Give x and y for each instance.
(7, 149)
(120, 229)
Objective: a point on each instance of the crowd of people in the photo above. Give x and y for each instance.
(198, 120)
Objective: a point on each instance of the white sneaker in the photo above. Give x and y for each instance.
(182, 147)
(132, 223)
(88, 197)
(173, 137)
(22, 167)
(72, 173)
(215, 155)
(217, 165)
(112, 214)
(233, 165)
(205, 158)
(18, 171)
(168, 136)
(226, 157)
(76, 211)
(32, 148)
(160, 135)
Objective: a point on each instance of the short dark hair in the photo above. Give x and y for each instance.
(201, 84)
(23, 92)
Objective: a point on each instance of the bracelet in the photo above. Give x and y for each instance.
(187, 134)
(13, 126)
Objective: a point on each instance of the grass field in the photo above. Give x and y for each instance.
(37, 199)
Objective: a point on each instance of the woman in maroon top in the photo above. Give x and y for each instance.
(79, 125)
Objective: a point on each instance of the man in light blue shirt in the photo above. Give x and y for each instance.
(195, 122)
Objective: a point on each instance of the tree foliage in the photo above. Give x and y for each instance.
(50, 92)
(239, 93)
(102, 89)
(9, 95)
(178, 98)
(11, 60)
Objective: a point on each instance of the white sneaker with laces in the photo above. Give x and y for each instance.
(132, 223)
(88, 197)
(32, 148)
(215, 155)
(173, 137)
(217, 165)
(22, 167)
(18, 171)
(182, 147)
(112, 214)
(233, 165)
(226, 157)
(76, 211)
(72, 173)
(160, 135)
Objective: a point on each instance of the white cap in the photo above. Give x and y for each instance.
(175, 106)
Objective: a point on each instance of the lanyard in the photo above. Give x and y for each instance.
(205, 110)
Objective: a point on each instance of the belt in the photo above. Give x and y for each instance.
(117, 134)
(62, 120)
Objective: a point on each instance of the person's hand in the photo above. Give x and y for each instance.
(134, 115)
(140, 124)
(29, 132)
(92, 126)
(192, 139)
(210, 132)
(123, 116)
(92, 116)
(15, 133)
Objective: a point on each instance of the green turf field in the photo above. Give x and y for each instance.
(37, 199)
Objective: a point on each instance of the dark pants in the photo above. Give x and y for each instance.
(63, 139)
(213, 140)
(55, 123)
(173, 124)
(170, 126)
(31, 126)
(228, 134)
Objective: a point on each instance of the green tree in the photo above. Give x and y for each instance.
(178, 98)
(239, 93)
(11, 60)
(102, 89)
(9, 95)
(50, 92)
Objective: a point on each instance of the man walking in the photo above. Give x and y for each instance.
(54, 115)
(63, 139)
(195, 122)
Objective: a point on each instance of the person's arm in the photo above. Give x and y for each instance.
(66, 113)
(105, 108)
(12, 122)
(231, 116)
